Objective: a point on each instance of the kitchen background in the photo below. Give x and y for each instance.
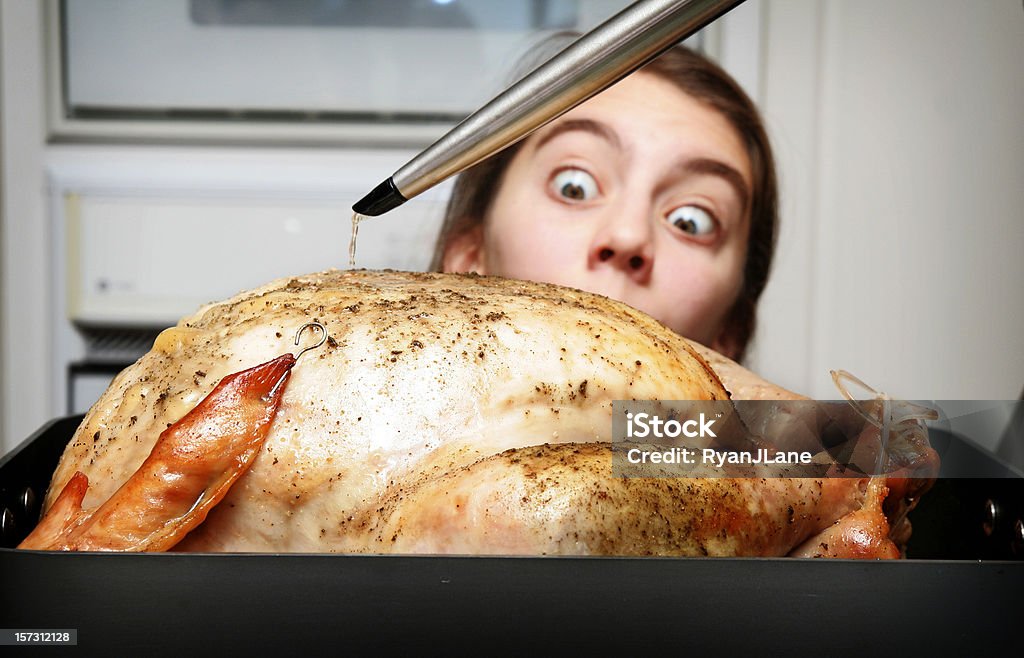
(158, 155)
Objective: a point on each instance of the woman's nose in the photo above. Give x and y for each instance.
(624, 242)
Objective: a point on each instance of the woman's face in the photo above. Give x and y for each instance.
(640, 194)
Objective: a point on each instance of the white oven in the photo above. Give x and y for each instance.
(144, 235)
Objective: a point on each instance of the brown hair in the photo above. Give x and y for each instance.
(476, 188)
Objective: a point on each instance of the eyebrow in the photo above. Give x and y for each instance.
(586, 125)
(712, 167)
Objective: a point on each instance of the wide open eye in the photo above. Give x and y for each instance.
(693, 220)
(574, 185)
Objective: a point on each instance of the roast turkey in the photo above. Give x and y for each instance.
(450, 414)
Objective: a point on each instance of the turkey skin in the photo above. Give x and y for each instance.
(450, 414)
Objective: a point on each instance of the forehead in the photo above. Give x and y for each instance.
(648, 112)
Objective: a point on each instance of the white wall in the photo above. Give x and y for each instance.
(25, 279)
(901, 143)
(3, 260)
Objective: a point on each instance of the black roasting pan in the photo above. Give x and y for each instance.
(961, 592)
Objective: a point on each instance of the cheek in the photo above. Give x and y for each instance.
(711, 286)
(524, 237)
(527, 249)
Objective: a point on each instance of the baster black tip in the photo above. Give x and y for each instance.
(381, 199)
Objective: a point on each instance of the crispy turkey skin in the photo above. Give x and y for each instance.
(449, 414)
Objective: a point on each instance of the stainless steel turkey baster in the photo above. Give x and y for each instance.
(592, 63)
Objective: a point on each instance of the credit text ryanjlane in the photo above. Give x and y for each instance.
(712, 457)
